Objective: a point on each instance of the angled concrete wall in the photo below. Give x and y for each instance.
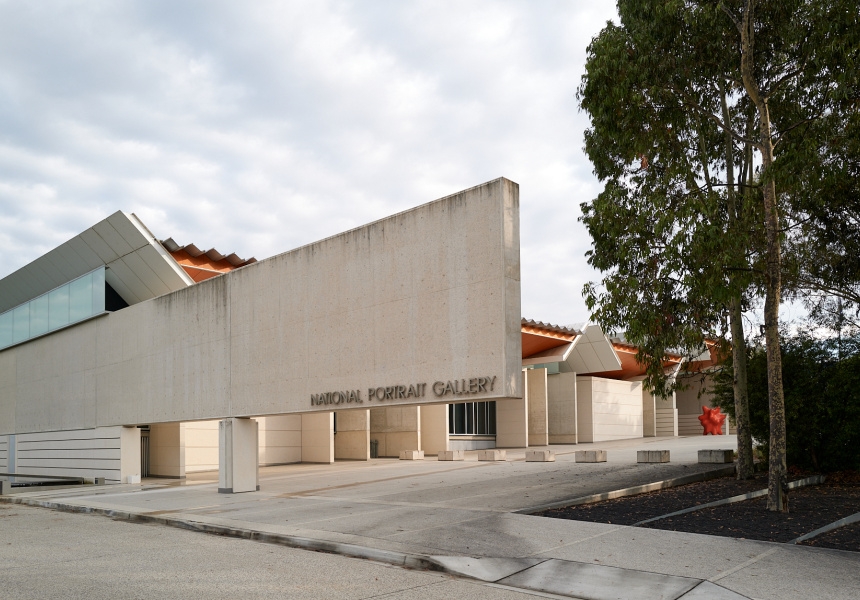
(430, 294)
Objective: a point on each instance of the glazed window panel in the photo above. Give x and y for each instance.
(472, 418)
(39, 309)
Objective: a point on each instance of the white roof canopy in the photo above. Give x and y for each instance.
(138, 267)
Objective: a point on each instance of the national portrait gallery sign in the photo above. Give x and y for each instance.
(440, 389)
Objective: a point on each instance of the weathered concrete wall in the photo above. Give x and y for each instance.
(561, 408)
(430, 294)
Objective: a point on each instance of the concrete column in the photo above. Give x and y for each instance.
(584, 410)
(238, 456)
(129, 454)
(561, 408)
(318, 437)
(396, 428)
(512, 422)
(280, 439)
(649, 411)
(536, 387)
(434, 428)
(352, 438)
(167, 450)
(666, 416)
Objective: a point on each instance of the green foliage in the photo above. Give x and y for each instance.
(822, 400)
(678, 230)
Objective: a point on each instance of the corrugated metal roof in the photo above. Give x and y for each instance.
(551, 327)
(212, 254)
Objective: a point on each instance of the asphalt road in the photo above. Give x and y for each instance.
(46, 554)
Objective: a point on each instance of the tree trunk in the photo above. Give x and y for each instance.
(739, 349)
(739, 363)
(777, 497)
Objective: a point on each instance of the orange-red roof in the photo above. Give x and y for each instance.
(202, 265)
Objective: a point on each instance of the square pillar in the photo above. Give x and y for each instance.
(512, 422)
(318, 437)
(536, 392)
(561, 408)
(238, 457)
(129, 455)
(352, 438)
(434, 428)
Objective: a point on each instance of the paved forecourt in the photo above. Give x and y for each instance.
(459, 511)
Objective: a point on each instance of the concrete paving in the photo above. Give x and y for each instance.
(444, 515)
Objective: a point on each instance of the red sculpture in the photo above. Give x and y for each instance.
(712, 420)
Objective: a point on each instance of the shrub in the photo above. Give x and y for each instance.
(821, 379)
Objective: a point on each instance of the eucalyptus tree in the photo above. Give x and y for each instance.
(693, 106)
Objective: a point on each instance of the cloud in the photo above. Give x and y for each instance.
(258, 127)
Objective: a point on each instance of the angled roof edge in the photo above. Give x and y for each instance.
(138, 267)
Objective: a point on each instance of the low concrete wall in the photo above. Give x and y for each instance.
(4, 454)
(109, 452)
(561, 408)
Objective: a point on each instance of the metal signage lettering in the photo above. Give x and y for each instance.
(440, 389)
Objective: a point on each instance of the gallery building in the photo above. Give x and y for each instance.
(123, 355)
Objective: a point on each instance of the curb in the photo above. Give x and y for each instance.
(814, 480)
(631, 491)
(402, 559)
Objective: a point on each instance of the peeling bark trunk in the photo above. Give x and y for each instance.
(777, 497)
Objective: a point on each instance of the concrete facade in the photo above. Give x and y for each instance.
(422, 307)
(431, 294)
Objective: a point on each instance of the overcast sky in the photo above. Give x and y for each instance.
(257, 127)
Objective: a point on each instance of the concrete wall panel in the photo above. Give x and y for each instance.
(280, 439)
(430, 294)
(609, 409)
